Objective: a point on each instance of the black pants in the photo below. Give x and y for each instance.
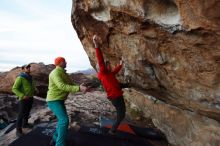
(119, 105)
(24, 111)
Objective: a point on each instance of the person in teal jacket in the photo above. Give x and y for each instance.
(24, 88)
(59, 87)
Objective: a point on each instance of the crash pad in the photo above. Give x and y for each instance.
(85, 136)
(149, 133)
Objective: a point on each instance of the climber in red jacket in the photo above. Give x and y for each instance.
(111, 85)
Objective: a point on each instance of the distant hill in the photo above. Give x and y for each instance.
(87, 71)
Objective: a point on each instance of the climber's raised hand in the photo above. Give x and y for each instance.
(95, 41)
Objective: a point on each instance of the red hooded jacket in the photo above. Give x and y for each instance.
(108, 79)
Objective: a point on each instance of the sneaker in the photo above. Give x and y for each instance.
(19, 133)
(110, 132)
(28, 125)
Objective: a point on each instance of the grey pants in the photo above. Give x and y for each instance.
(24, 111)
(119, 105)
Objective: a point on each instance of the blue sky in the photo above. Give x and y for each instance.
(39, 31)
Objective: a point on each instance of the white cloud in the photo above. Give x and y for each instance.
(40, 35)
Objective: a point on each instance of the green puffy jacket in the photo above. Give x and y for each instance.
(23, 86)
(60, 85)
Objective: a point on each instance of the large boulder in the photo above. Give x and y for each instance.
(39, 71)
(171, 50)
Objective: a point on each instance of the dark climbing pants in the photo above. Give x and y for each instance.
(119, 105)
(124, 85)
(25, 106)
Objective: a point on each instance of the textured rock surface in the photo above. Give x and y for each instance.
(8, 107)
(82, 109)
(171, 50)
(181, 127)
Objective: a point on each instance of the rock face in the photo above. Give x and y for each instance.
(39, 71)
(171, 50)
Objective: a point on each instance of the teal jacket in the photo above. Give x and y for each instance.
(60, 85)
(23, 86)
